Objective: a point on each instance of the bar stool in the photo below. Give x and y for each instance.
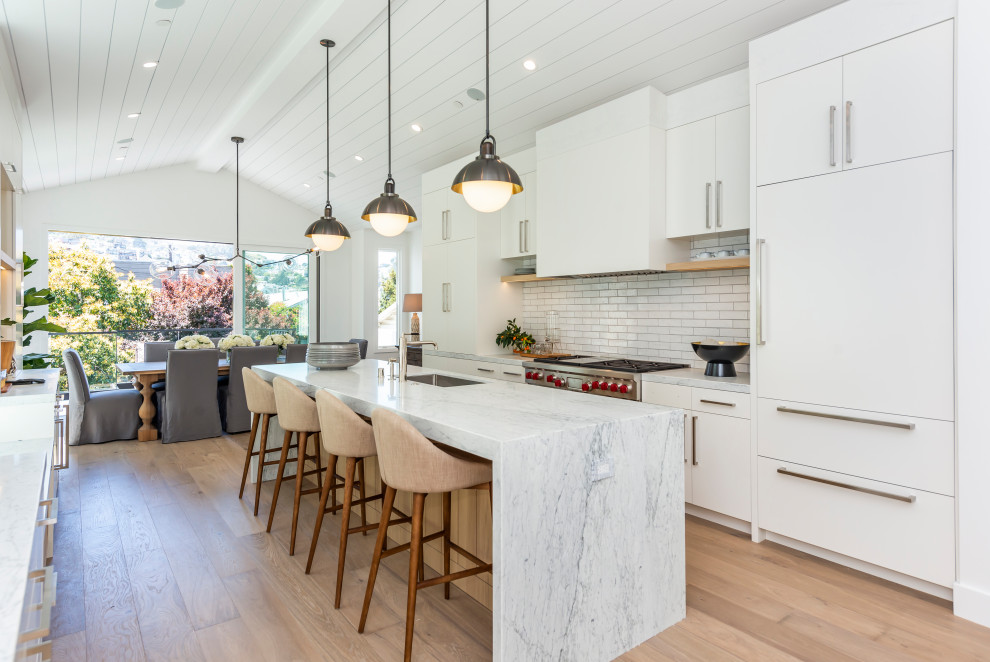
(297, 415)
(260, 398)
(410, 462)
(345, 435)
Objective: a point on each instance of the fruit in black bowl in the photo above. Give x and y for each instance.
(721, 356)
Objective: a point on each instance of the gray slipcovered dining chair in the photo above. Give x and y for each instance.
(157, 351)
(101, 415)
(362, 345)
(234, 413)
(295, 353)
(188, 407)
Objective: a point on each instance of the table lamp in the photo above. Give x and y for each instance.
(413, 303)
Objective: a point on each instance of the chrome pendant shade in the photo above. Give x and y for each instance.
(487, 183)
(389, 214)
(327, 232)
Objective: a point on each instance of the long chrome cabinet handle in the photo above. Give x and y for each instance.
(485, 370)
(851, 419)
(708, 205)
(512, 374)
(758, 289)
(685, 441)
(521, 249)
(716, 402)
(910, 498)
(849, 131)
(694, 440)
(450, 298)
(443, 297)
(718, 204)
(526, 236)
(831, 136)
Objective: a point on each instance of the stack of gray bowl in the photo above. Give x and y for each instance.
(332, 355)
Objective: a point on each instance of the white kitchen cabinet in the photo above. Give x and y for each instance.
(720, 464)
(856, 275)
(433, 216)
(518, 219)
(898, 98)
(433, 325)
(447, 217)
(450, 282)
(708, 175)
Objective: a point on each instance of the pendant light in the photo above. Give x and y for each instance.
(327, 232)
(388, 213)
(487, 183)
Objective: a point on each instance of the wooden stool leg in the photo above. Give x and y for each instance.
(247, 456)
(265, 419)
(344, 524)
(332, 470)
(319, 460)
(377, 559)
(364, 514)
(446, 543)
(324, 495)
(300, 468)
(278, 478)
(415, 556)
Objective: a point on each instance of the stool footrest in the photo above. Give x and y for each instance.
(404, 546)
(357, 502)
(453, 577)
(468, 555)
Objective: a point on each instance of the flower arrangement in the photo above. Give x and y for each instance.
(514, 337)
(279, 339)
(235, 340)
(194, 341)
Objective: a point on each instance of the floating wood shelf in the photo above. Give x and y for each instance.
(526, 278)
(710, 265)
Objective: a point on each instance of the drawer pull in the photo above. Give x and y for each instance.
(512, 374)
(485, 370)
(852, 419)
(694, 441)
(51, 512)
(716, 402)
(48, 577)
(887, 495)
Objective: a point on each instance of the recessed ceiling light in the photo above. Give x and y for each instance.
(124, 141)
(150, 65)
(119, 158)
(358, 157)
(476, 94)
(131, 116)
(169, 4)
(457, 105)
(305, 185)
(529, 65)
(416, 127)
(163, 22)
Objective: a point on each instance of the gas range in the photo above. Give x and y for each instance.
(615, 378)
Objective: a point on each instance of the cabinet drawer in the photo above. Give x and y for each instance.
(463, 366)
(486, 369)
(667, 395)
(914, 537)
(726, 403)
(431, 362)
(913, 452)
(510, 373)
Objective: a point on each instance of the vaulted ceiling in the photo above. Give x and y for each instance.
(255, 68)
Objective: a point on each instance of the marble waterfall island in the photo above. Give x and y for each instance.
(588, 512)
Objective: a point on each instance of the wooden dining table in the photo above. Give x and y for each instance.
(147, 373)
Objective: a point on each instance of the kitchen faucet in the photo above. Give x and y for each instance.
(403, 346)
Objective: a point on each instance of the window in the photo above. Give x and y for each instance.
(276, 296)
(388, 298)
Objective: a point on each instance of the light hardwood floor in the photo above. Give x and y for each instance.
(157, 559)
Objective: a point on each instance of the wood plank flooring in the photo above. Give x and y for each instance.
(159, 560)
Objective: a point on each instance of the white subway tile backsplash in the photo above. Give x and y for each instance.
(647, 316)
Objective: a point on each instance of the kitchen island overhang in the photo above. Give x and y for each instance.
(588, 504)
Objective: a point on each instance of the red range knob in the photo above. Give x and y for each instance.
(529, 375)
(614, 388)
(586, 387)
(603, 386)
(537, 375)
(594, 384)
(549, 378)
(623, 389)
(559, 382)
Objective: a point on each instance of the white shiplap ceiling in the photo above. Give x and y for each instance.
(255, 68)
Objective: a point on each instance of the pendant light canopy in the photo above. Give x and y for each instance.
(327, 232)
(389, 214)
(487, 183)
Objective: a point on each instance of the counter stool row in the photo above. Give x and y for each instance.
(407, 460)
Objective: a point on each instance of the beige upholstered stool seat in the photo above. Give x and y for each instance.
(411, 462)
(297, 415)
(260, 398)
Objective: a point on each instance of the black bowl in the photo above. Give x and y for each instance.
(721, 358)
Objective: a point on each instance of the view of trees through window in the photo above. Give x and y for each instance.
(276, 297)
(388, 293)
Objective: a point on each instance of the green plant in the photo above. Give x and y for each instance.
(34, 297)
(514, 337)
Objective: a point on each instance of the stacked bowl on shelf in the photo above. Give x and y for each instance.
(332, 355)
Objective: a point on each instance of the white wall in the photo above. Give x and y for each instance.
(972, 589)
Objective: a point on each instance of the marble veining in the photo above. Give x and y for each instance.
(22, 469)
(588, 508)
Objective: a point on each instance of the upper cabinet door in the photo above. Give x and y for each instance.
(898, 98)
(462, 220)
(434, 324)
(799, 124)
(433, 216)
(518, 219)
(691, 179)
(529, 222)
(732, 170)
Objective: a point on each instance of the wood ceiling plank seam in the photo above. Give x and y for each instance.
(51, 90)
(95, 28)
(155, 160)
(209, 85)
(176, 69)
(28, 162)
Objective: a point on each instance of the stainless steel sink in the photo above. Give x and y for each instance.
(441, 380)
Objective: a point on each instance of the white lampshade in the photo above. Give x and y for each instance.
(486, 196)
(328, 242)
(388, 225)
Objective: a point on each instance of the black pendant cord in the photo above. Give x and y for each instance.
(388, 23)
(488, 96)
(237, 200)
(328, 125)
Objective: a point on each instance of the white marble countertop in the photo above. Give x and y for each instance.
(22, 465)
(29, 393)
(478, 418)
(508, 358)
